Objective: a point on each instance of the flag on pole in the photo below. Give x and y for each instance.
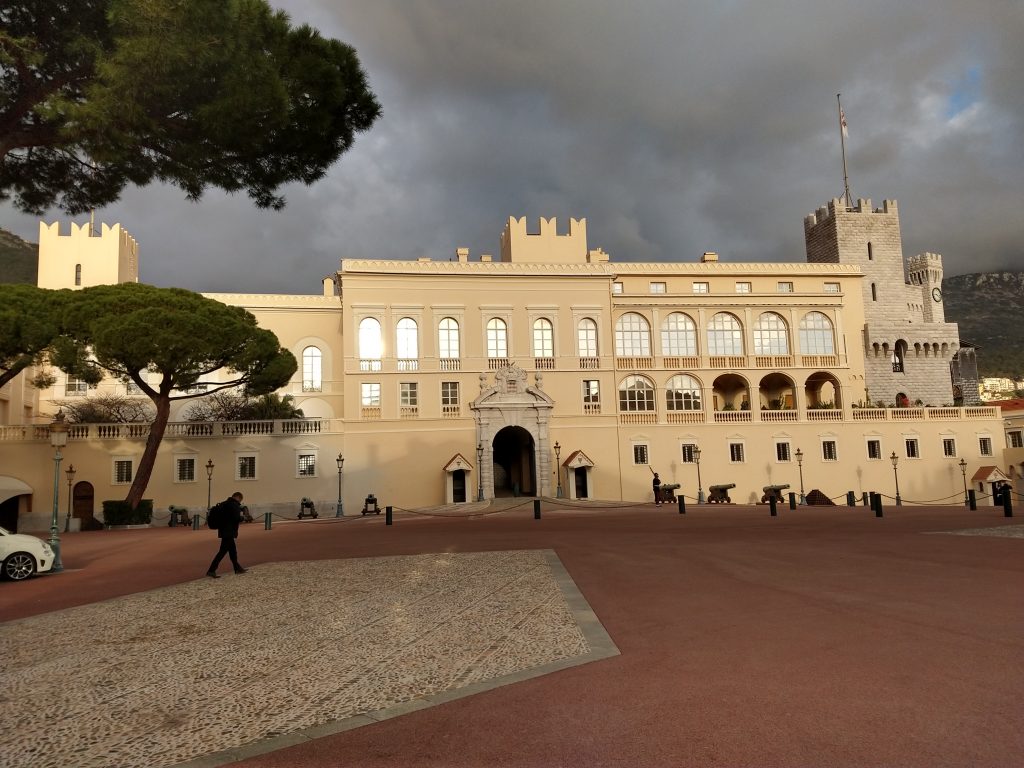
(842, 123)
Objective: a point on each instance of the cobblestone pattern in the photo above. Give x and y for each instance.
(166, 676)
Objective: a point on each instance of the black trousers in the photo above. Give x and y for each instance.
(227, 547)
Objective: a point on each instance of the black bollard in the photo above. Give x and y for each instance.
(195, 522)
(864, 499)
(972, 500)
(536, 509)
(266, 521)
(1007, 502)
(877, 504)
(792, 501)
(387, 515)
(771, 505)
(851, 499)
(682, 504)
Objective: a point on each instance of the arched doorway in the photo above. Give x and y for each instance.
(82, 506)
(515, 465)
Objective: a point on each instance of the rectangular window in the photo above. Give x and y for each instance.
(370, 394)
(687, 451)
(449, 393)
(659, 288)
(122, 471)
(78, 274)
(1016, 439)
(639, 454)
(246, 466)
(736, 453)
(307, 465)
(782, 452)
(948, 447)
(591, 396)
(616, 287)
(985, 446)
(185, 470)
(832, 288)
(875, 449)
(785, 287)
(743, 287)
(75, 387)
(828, 450)
(912, 449)
(701, 288)
(409, 394)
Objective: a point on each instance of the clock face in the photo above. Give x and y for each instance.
(936, 294)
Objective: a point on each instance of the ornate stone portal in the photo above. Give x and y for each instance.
(511, 402)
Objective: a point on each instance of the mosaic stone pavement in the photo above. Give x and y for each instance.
(1006, 531)
(202, 669)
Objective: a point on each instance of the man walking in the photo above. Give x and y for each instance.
(227, 520)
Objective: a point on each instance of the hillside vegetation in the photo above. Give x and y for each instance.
(989, 308)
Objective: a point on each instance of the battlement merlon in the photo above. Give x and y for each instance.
(925, 261)
(836, 204)
(547, 246)
(85, 256)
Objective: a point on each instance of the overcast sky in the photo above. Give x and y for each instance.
(673, 127)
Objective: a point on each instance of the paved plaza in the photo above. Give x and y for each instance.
(594, 636)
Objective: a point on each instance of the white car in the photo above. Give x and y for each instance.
(23, 555)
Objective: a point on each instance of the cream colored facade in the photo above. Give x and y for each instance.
(439, 381)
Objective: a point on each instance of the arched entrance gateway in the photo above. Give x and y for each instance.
(512, 429)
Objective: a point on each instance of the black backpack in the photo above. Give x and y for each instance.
(213, 517)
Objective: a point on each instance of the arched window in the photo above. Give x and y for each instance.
(371, 345)
(448, 338)
(771, 337)
(899, 355)
(636, 393)
(586, 337)
(312, 369)
(725, 335)
(816, 337)
(408, 346)
(632, 336)
(497, 338)
(678, 335)
(543, 338)
(682, 393)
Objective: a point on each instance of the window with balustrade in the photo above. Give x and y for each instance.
(543, 338)
(497, 338)
(632, 336)
(816, 335)
(771, 335)
(448, 339)
(586, 337)
(371, 344)
(678, 336)
(312, 369)
(725, 335)
(407, 344)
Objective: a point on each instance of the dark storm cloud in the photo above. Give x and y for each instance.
(674, 128)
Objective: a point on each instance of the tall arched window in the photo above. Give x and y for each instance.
(899, 356)
(408, 346)
(448, 338)
(771, 336)
(632, 336)
(636, 393)
(725, 335)
(543, 338)
(586, 337)
(816, 337)
(312, 369)
(678, 335)
(497, 338)
(371, 344)
(682, 393)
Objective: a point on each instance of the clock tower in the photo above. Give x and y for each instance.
(925, 272)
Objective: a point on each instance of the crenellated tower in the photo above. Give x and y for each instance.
(908, 344)
(85, 258)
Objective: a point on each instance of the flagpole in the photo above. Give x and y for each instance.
(842, 144)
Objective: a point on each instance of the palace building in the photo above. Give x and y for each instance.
(553, 370)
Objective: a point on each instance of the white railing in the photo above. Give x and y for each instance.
(686, 362)
(408, 412)
(777, 416)
(544, 363)
(496, 363)
(824, 414)
(685, 417)
(408, 364)
(590, 363)
(638, 418)
(732, 417)
(634, 363)
(450, 364)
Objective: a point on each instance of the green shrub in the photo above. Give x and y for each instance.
(118, 512)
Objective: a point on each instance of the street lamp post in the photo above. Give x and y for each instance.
(209, 484)
(558, 470)
(896, 460)
(340, 512)
(700, 488)
(58, 439)
(963, 471)
(70, 472)
(800, 466)
(479, 471)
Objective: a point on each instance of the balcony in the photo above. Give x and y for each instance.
(590, 363)
(408, 364)
(544, 363)
(369, 364)
(733, 417)
(686, 417)
(727, 362)
(682, 362)
(408, 412)
(450, 364)
(634, 363)
(497, 363)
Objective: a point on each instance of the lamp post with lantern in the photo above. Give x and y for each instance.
(800, 466)
(479, 471)
(700, 488)
(895, 472)
(58, 439)
(558, 471)
(963, 471)
(209, 484)
(70, 472)
(340, 512)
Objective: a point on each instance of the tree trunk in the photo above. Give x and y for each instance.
(148, 460)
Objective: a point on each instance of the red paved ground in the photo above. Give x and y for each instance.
(822, 637)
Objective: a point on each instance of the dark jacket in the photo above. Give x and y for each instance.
(230, 517)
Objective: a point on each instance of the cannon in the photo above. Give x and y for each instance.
(719, 494)
(370, 505)
(773, 491)
(668, 491)
(179, 516)
(307, 508)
